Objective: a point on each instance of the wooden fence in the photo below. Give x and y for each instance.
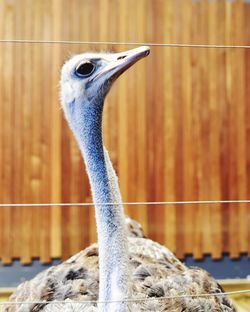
(177, 125)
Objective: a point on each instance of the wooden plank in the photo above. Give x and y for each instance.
(25, 102)
(197, 139)
(233, 142)
(216, 70)
(18, 138)
(205, 189)
(247, 103)
(169, 136)
(188, 157)
(56, 178)
(1, 131)
(157, 109)
(224, 136)
(178, 106)
(140, 122)
(155, 124)
(66, 165)
(7, 111)
(35, 84)
(46, 122)
(239, 98)
(122, 111)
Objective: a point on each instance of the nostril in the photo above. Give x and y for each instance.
(121, 57)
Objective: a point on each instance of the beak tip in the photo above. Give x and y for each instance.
(146, 50)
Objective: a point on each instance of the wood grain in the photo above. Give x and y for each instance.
(176, 125)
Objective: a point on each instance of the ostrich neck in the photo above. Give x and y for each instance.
(112, 238)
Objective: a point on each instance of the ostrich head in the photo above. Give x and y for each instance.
(87, 78)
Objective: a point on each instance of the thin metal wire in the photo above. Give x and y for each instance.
(194, 202)
(174, 45)
(236, 292)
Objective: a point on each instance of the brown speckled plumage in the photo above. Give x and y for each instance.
(155, 272)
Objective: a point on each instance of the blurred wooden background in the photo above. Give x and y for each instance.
(177, 125)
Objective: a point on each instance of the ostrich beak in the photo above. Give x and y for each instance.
(120, 62)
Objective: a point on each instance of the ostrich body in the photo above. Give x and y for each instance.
(132, 267)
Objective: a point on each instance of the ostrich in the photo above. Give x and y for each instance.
(120, 267)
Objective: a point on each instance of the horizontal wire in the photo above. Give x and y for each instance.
(174, 45)
(195, 202)
(236, 292)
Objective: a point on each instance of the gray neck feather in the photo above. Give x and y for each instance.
(112, 239)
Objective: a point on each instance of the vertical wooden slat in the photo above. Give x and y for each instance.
(205, 217)
(239, 103)
(140, 122)
(7, 111)
(155, 124)
(178, 129)
(169, 135)
(17, 167)
(47, 119)
(158, 124)
(188, 163)
(215, 111)
(56, 175)
(1, 130)
(233, 142)
(28, 214)
(36, 109)
(74, 226)
(197, 142)
(66, 165)
(122, 112)
(130, 125)
(247, 116)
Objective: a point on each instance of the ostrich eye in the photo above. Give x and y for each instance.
(85, 69)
